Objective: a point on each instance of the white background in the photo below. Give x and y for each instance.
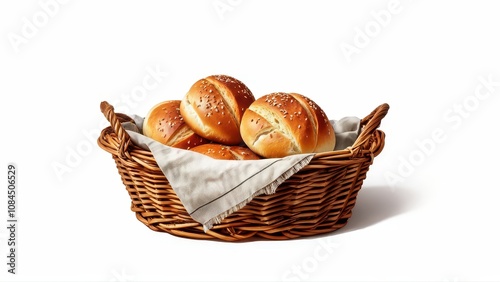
(428, 210)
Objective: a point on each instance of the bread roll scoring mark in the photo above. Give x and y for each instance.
(278, 117)
(189, 110)
(225, 98)
(281, 124)
(220, 103)
(307, 104)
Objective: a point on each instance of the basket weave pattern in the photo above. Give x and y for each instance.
(317, 199)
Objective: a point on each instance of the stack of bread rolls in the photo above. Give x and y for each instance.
(220, 117)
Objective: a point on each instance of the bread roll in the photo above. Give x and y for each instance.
(224, 152)
(165, 124)
(281, 124)
(213, 108)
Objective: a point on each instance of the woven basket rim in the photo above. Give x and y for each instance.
(369, 125)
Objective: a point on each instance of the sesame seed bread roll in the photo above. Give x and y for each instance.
(282, 124)
(213, 108)
(224, 152)
(165, 124)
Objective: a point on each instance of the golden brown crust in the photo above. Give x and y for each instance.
(325, 133)
(281, 124)
(237, 95)
(165, 124)
(213, 108)
(224, 152)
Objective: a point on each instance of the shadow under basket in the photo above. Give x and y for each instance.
(317, 199)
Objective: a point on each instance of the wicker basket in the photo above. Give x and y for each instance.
(317, 199)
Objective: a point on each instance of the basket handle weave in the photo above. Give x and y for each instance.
(370, 123)
(114, 120)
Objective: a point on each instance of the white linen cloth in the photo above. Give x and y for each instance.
(212, 189)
